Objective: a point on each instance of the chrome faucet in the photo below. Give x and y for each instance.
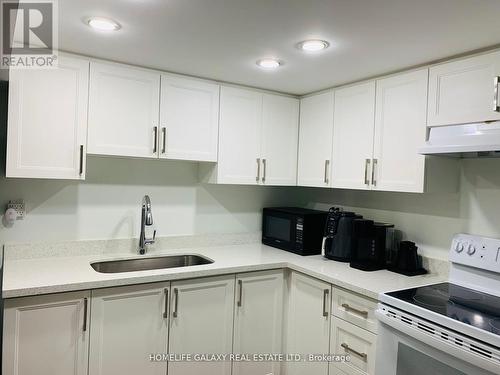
(146, 220)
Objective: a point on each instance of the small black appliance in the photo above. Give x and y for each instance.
(295, 229)
(370, 243)
(338, 234)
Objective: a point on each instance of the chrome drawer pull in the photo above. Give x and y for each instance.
(176, 301)
(326, 292)
(258, 170)
(264, 171)
(155, 139)
(240, 292)
(327, 164)
(367, 166)
(350, 350)
(496, 107)
(165, 313)
(374, 180)
(354, 310)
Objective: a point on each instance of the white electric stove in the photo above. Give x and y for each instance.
(449, 328)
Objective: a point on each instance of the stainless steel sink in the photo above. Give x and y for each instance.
(143, 264)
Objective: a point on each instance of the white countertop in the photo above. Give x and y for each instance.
(54, 274)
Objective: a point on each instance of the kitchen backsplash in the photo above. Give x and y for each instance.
(107, 204)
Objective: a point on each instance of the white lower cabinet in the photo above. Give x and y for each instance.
(46, 335)
(356, 342)
(128, 325)
(201, 322)
(309, 316)
(258, 321)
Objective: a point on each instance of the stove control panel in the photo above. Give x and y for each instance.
(475, 251)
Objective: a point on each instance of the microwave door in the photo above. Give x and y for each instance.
(279, 231)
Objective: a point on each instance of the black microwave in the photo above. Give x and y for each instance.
(299, 230)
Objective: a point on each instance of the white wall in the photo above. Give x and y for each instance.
(107, 204)
(429, 219)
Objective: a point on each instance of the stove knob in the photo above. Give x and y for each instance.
(471, 249)
(459, 247)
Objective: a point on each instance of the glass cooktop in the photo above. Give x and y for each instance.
(469, 306)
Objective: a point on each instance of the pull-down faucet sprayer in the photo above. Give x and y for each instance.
(146, 220)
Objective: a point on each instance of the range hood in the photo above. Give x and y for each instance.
(466, 141)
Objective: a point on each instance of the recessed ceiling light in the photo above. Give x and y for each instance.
(313, 45)
(103, 24)
(269, 63)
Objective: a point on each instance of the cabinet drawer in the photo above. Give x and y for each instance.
(346, 338)
(355, 309)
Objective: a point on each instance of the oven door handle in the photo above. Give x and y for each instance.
(430, 339)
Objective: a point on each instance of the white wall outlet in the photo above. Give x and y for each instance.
(19, 206)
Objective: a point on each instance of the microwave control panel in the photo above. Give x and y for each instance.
(299, 231)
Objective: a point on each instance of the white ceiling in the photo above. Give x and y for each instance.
(222, 39)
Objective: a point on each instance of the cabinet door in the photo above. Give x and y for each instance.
(280, 131)
(128, 325)
(123, 111)
(201, 323)
(400, 129)
(189, 119)
(463, 91)
(315, 140)
(308, 323)
(46, 335)
(47, 121)
(239, 136)
(258, 320)
(353, 124)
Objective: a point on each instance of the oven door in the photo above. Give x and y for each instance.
(279, 229)
(403, 349)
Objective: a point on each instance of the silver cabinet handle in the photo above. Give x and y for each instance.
(375, 163)
(327, 164)
(264, 165)
(164, 140)
(367, 166)
(496, 106)
(351, 350)
(85, 313)
(326, 292)
(165, 312)
(81, 160)
(354, 310)
(240, 292)
(155, 139)
(258, 170)
(176, 302)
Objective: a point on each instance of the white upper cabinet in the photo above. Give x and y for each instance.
(258, 320)
(353, 126)
(46, 335)
(128, 324)
(279, 140)
(189, 119)
(239, 136)
(123, 111)
(400, 129)
(315, 140)
(465, 91)
(201, 322)
(47, 121)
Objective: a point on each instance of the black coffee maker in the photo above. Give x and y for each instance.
(370, 243)
(338, 234)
